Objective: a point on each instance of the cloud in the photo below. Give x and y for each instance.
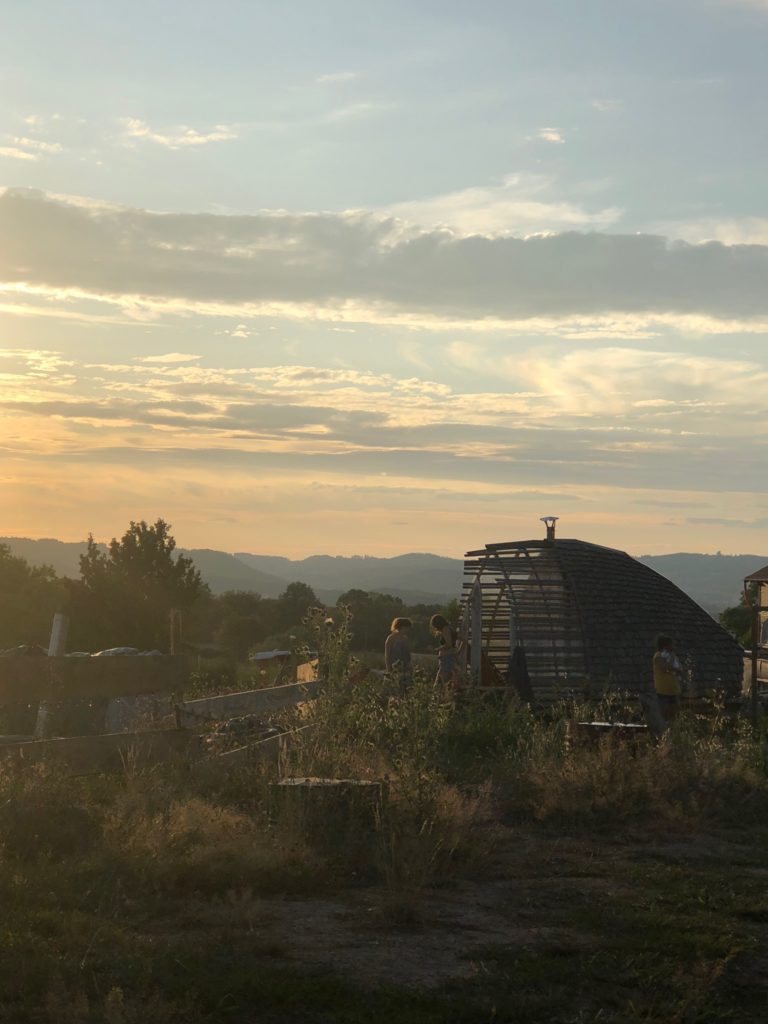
(357, 266)
(741, 524)
(239, 331)
(480, 462)
(550, 135)
(353, 110)
(607, 106)
(39, 144)
(182, 138)
(169, 357)
(564, 416)
(729, 230)
(13, 153)
(519, 205)
(336, 77)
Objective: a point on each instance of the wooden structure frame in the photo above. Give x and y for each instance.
(586, 618)
(756, 599)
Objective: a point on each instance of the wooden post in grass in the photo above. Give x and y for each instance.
(476, 634)
(57, 646)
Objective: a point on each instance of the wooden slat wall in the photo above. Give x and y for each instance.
(528, 584)
(24, 680)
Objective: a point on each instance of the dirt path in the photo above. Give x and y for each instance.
(542, 893)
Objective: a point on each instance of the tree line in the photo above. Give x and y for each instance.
(125, 596)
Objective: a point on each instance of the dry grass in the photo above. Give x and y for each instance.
(109, 884)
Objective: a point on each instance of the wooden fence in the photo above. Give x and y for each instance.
(31, 680)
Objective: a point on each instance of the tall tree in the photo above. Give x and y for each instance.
(372, 613)
(293, 604)
(29, 596)
(127, 592)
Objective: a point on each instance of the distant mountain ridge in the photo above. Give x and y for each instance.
(416, 577)
(713, 581)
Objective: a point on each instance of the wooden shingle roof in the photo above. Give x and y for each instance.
(599, 613)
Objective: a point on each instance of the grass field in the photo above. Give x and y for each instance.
(505, 876)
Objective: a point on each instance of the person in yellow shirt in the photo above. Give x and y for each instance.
(668, 675)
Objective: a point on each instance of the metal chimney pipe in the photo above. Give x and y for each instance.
(549, 522)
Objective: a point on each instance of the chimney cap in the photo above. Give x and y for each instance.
(549, 522)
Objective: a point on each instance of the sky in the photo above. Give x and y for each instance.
(369, 278)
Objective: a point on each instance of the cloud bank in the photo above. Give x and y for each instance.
(326, 261)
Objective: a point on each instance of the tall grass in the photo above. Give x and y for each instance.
(78, 856)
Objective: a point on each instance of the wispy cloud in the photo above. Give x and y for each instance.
(550, 135)
(169, 358)
(13, 153)
(607, 106)
(180, 138)
(335, 77)
(729, 230)
(741, 524)
(38, 144)
(521, 204)
(354, 110)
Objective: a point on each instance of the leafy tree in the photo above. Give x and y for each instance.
(29, 597)
(293, 605)
(372, 615)
(126, 594)
(738, 620)
(244, 620)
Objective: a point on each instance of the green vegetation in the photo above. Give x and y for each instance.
(738, 620)
(130, 591)
(125, 595)
(506, 874)
(500, 867)
(28, 599)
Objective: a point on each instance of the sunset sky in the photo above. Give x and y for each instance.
(375, 276)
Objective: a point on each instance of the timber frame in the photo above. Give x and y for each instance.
(586, 618)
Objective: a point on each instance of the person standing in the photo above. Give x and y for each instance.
(397, 652)
(447, 660)
(668, 676)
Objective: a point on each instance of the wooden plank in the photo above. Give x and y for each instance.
(109, 751)
(269, 752)
(25, 680)
(262, 752)
(247, 702)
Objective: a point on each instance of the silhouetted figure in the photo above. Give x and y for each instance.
(668, 676)
(397, 652)
(447, 656)
(518, 675)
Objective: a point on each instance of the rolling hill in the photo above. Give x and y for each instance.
(714, 581)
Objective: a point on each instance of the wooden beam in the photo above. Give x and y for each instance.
(24, 680)
(270, 752)
(246, 702)
(109, 751)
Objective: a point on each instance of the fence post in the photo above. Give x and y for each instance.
(57, 646)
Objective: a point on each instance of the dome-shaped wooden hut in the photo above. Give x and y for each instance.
(582, 618)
